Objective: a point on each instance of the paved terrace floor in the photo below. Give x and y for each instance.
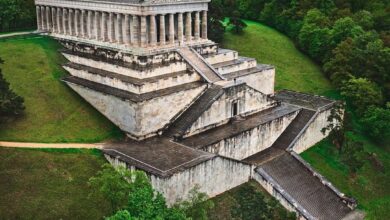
(160, 156)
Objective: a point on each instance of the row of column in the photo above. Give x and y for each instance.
(123, 28)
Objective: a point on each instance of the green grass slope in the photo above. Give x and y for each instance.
(294, 70)
(49, 184)
(54, 113)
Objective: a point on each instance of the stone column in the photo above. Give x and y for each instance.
(96, 25)
(70, 22)
(103, 24)
(43, 18)
(135, 31)
(82, 23)
(126, 30)
(76, 22)
(171, 28)
(111, 28)
(54, 19)
(143, 31)
(65, 21)
(197, 26)
(204, 25)
(48, 19)
(39, 20)
(118, 28)
(180, 27)
(89, 24)
(162, 29)
(59, 21)
(188, 27)
(153, 33)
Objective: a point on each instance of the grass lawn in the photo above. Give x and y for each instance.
(49, 184)
(54, 113)
(294, 70)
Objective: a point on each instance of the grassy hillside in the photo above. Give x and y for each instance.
(49, 184)
(294, 70)
(54, 113)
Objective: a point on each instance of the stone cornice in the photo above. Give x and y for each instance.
(147, 7)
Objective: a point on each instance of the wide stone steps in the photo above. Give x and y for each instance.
(284, 140)
(198, 63)
(306, 189)
(189, 116)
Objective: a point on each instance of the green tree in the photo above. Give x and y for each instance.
(361, 93)
(215, 28)
(376, 122)
(121, 215)
(112, 185)
(197, 206)
(250, 205)
(364, 19)
(11, 104)
(353, 155)
(344, 28)
(237, 23)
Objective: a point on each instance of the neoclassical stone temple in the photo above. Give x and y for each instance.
(195, 114)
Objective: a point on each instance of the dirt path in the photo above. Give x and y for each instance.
(16, 34)
(49, 145)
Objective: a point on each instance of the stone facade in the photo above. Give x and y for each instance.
(195, 114)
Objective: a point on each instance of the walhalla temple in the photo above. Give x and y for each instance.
(195, 114)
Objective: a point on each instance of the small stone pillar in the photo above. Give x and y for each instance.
(48, 20)
(153, 33)
(59, 21)
(76, 22)
(70, 22)
(197, 26)
(180, 27)
(126, 31)
(204, 25)
(65, 21)
(39, 20)
(118, 28)
(111, 28)
(54, 19)
(143, 31)
(43, 18)
(162, 29)
(171, 29)
(82, 23)
(135, 31)
(104, 26)
(188, 27)
(97, 25)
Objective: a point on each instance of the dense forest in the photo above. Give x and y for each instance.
(350, 39)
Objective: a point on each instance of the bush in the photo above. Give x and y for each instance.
(376, 122)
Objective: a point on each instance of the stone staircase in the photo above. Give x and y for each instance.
(200, 64)
(190, 115)
(284, 140)
(315, 199)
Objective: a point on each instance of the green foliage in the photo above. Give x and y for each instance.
(361, 93)
(250, 205)
(353, 155)
(10, 103)
(238, 25)
(17, 15)
(197, 206)
(111, 185)
(121, 215)
(376, 123)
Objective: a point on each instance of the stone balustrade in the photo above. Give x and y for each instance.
(124, 29)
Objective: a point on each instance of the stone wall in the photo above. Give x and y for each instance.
(252, 141)
(139, 120)
(312, 134)
(249, 101)
(263, 81)
(214, 177)
(138, 72)
(162, 83)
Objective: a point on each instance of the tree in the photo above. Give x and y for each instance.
(364, 19)
(344, 28)
(112, 185)
(237, 23)
(10, 103)
(250, 205)
(337, 125)
(197, 206)
(353, 155)
(376, 122)
(215, 28)
(361, 93)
